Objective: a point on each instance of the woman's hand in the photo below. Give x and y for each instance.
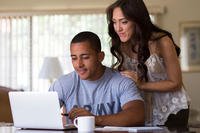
(132, 75)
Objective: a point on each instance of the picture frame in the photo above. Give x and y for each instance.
(190, 45)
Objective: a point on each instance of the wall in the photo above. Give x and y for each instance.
(20, 5)
(176, 11)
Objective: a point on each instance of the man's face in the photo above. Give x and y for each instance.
(85, 60)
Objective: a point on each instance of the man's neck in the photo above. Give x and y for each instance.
(100, 71)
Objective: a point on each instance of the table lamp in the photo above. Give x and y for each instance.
(51, 69)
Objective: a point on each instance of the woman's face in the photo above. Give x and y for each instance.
(122, 26)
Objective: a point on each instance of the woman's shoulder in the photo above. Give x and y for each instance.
(160, 41)
(157, 36)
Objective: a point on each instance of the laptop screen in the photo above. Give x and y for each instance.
(39, 110)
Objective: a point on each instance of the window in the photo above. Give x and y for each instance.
(25, 41)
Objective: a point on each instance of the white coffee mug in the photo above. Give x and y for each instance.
(85, 123)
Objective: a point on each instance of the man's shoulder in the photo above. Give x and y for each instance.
(116, 76)
(65, 81)
(68, 77)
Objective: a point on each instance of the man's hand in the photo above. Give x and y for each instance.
(76, 112)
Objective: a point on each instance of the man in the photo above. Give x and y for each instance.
(93, 89)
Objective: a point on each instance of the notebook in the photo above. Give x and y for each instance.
(39, 131)
(37, 110)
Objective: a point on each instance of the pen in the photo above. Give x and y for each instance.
(64, 114)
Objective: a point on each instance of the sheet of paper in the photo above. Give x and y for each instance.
(129, 129)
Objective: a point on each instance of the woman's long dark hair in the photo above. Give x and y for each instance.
(135, 11)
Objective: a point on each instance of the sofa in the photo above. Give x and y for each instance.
(5, 111)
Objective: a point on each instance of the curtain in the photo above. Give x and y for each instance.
(15, 52)
(25, 41)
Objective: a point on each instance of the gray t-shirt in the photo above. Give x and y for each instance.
(104, 96)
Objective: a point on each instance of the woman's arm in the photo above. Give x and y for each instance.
(174, 81)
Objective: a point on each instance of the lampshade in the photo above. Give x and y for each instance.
(51, 68)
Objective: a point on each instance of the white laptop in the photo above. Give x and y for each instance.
(37, 110)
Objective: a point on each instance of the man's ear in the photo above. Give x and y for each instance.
(101, 56)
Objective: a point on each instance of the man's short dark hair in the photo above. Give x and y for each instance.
(90, 37)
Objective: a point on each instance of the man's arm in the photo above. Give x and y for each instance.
(132, 114)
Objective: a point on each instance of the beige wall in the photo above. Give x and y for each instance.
(52, 4)
(176, 11)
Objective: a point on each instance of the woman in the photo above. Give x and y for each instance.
(148, 55)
